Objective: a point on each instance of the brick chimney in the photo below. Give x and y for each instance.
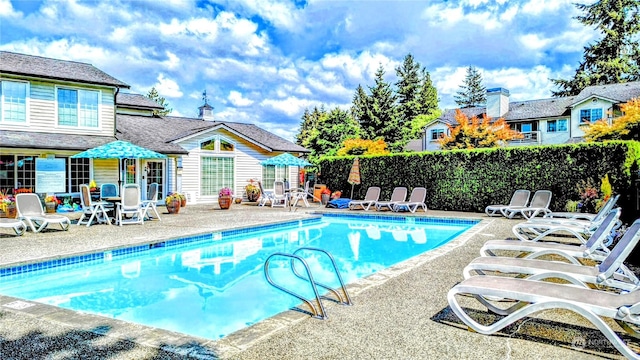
(497, 102)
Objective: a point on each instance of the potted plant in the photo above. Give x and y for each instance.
(252, 190)
(172, 201)
(7, 204)
(224, 197)
(324, 195)
(51, 202)
(182, 198)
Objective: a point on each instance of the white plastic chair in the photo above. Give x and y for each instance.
(280, 197)
(130, 204)
(150, 204)
(92, 210)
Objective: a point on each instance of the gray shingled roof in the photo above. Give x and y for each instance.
(157, 133)
(36, 140)
(620, 93)
(137, 101)
(29, 65)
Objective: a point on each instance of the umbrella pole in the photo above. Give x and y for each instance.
(352, 190)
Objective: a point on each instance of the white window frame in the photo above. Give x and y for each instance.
(592, 119)
(3, 105)
(439, 133)
(557, 127)
(217, 148)
(79, 108)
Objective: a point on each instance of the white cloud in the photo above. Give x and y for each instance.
(290, 106)
(168, 87)
(7, 10)
(237, 99)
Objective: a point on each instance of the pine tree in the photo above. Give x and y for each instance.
(155, 96)
(472, 93)
(383, 110)
(361, 112)
(616, 57)
(408, 86)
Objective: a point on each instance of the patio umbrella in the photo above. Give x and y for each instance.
(119, 150)
(354, 174)
(286, 159)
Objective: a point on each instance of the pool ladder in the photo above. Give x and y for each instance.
(317, 312)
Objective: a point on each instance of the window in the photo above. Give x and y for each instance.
(78, 108)
(79, 173)
(271, 173)
(557, 125)
(218, 144)
(590, 115)
(215, 173)
(437, 134)
(13, 103)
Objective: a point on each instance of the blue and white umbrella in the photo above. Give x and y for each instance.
(119, 150)
(286, 159)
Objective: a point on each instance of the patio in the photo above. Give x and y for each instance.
(399, 314)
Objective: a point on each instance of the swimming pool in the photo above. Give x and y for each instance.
(212, 285)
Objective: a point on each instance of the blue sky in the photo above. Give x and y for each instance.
(265, 61)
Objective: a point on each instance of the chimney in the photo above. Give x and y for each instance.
(497, 102)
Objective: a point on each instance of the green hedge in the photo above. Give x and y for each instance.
(469, 180)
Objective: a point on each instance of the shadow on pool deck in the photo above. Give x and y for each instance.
(399, 313)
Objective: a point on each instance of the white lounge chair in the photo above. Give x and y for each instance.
(131, 205)
(17, 225)
(399, 194)
(539, 205)
(150, 205)
(280, 197)
(30, 210)
(544, 228)
(92, 210)
(519, 198)
(595, 248)
(416, 200)
(610, 272)
(370, 198)
(532, 296)
(606, 207)
(265, 196)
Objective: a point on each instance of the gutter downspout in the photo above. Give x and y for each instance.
(115, 111)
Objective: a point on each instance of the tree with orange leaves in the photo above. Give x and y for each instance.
(363, 147)
(625, 127)
(473, 134)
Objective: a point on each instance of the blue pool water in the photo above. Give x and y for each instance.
(213, 285)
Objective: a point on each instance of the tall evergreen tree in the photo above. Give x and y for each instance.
(408, 86)
(155, 96)
(383, 110)
(472, 93)
(361, 112)
(616, 57)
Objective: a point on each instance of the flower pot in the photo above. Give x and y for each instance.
(183, 203)
(253, 196)
(10, 213)
(51, 207)
(325, 199)
(224, 202)
(173, 207)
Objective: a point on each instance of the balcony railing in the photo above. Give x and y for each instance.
(530, 137)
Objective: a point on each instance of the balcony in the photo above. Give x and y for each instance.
(530, 137)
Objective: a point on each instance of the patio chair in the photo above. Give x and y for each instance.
(301, 194)
(30, 210)
(399, 194)
(542, 229)
(265, 196)
(532, 296)
(595, 248)
(108, 190)
(130, 204)
(17, 225)
(151, 203)
(92, 210)
(610, 272)
(519, 198)
(370, 198)
(416, 200)
(539, 205)
(604, 210)
(280, 197)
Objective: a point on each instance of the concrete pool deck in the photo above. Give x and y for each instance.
(400, 313)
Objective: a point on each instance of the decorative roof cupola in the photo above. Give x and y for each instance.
(206, 110)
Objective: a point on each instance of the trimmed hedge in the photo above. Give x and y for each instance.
(469, 180)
